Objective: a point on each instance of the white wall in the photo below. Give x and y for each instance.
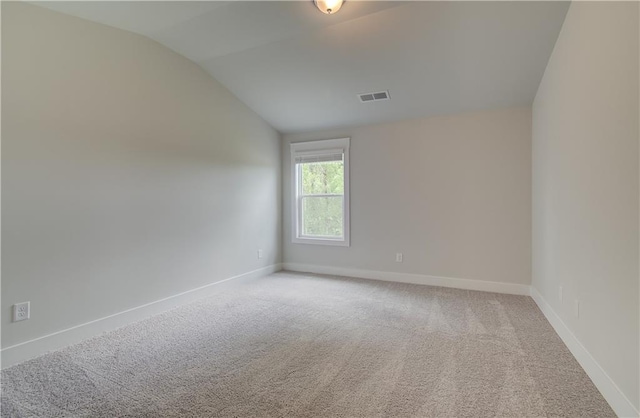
(585, 185)
(128, 173)
(452, 193)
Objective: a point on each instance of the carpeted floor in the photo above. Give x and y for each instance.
(314, 346)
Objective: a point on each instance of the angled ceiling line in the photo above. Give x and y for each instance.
(308, 33)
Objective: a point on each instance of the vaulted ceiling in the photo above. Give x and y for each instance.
(302, 70)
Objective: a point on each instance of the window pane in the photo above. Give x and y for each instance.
(322, 216)
(323, 178)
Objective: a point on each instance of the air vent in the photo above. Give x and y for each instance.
(374, 97)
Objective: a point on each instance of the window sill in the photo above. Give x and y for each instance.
(320, 241)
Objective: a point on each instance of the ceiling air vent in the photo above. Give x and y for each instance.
(374, 97)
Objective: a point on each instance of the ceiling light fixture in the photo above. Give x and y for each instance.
(328, 7)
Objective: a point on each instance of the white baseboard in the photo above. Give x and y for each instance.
(29, 349)
(607, 387)
(481, 285)
(33, 348)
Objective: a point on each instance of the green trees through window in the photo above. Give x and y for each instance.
(322, 196)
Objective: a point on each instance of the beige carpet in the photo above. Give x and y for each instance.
(311, 346)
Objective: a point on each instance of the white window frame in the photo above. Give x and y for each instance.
(318, 147)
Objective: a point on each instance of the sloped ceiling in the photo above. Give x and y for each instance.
(302, 70)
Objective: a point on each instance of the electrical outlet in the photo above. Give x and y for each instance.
(21, 311)
(560, 293)
(259, 253)
(398, 257)
(576, 308)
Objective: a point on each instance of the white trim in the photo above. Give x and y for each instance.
(320, 241)
(481, 285)
(313, 148)
(621, 405)
(29, 349)
(322, 144)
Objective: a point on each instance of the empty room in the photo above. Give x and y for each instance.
(320, 209)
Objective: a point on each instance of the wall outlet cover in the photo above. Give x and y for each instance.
(21, 311)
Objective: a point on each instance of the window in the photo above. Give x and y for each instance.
(320, 192)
